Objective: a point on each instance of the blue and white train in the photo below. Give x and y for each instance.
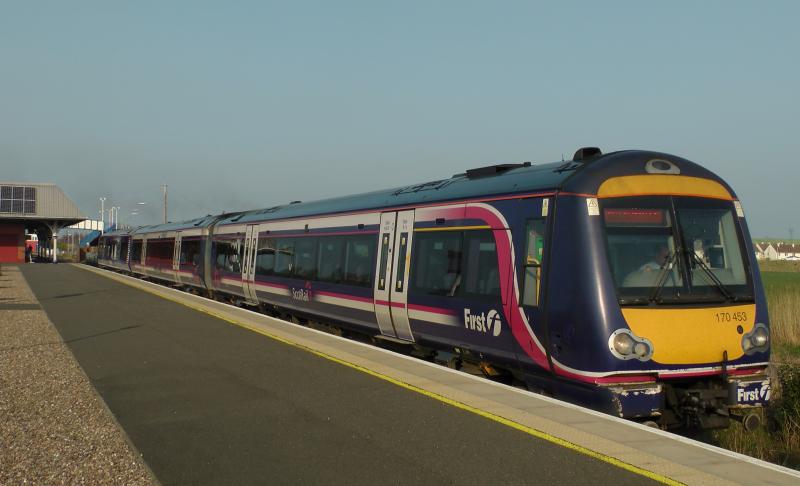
(625, 282)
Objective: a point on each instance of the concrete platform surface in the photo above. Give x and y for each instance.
(431, 424)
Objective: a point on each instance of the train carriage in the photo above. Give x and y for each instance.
(113, 250)
(625, 282)
(173, 252)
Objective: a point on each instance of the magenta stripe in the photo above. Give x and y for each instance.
(512, 310)
(345, 296)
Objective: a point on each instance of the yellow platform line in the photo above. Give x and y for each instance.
(463, 406)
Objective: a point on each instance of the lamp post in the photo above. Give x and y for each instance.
(165, 202)
(102, 214)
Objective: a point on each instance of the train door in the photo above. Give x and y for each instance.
(531, 260)
(391, 293)
(176, 257)
(143, 261)
(249, 264)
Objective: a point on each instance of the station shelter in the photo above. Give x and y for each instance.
(33, 208)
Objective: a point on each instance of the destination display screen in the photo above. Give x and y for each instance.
(635, 217)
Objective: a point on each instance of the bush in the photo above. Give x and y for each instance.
(784, 413)
(778, 440)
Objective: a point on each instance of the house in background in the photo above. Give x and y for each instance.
(765, 251)
(788, 251)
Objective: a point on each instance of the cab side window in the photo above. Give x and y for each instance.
(535, 237)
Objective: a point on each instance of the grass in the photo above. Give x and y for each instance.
(783, 299)
(778, 266)
(779, 440)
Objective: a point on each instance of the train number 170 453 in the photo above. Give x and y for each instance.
(731, 316)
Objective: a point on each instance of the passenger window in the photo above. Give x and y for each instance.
(437, 263)
(228, 255)
(532, 260)
(284, 259)
(330, 259)
(482, 275)
(190, 251)
(219, 254)
(265, 256)
(305, 258)
(359, 258)
(136, 251)
(234, 258)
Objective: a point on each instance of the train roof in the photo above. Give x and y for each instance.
(202, 222)
(485, 181)
(116, 232)
(583, 174)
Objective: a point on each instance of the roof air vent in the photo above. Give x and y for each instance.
(494, 170)
(585, 153)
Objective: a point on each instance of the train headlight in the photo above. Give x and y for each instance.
(756, 340)
(623, 344)
(641, 349)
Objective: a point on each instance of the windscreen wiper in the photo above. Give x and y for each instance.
(711, 276)
(662, 276)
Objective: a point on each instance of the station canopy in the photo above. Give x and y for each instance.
(40, 207)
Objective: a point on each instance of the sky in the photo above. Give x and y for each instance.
(239, 105)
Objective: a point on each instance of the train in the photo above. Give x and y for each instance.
(625, 282)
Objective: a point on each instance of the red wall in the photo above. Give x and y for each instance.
(12, 243)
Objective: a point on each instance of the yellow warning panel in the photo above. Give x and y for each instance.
(693, 336)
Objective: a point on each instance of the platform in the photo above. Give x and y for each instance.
(211, 393)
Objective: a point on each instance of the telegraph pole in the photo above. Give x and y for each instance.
(165, 202)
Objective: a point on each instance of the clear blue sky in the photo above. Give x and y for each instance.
(237, 105)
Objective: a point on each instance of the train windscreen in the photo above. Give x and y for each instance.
(675, 250)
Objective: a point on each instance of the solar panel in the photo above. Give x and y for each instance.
(18, 199)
